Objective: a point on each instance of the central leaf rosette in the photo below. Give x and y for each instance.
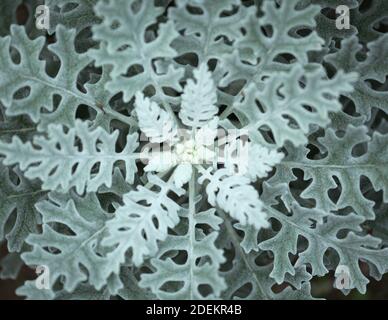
(226, 162)
(185, 150)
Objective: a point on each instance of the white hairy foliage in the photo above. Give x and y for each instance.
(299, 191)
(155, 122)
(199, 99)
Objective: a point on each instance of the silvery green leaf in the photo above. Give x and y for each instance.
(61, 163)
(59, 95)
(200, 268)
(133, 224)
(64, 250)
(124, 47)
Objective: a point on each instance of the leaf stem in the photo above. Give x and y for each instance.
(236, 243)
(191, 230)
(118, 116)
(161, 175)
